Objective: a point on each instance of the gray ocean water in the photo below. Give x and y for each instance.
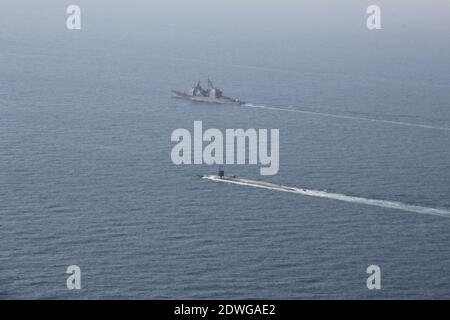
(86, 176)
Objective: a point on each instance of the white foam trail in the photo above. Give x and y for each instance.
(331, 115)
(335, 196)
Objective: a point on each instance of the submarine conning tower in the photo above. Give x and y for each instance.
(221, 173)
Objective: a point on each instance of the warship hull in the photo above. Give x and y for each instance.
(221, 100)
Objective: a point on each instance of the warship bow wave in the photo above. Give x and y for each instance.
(211, 94)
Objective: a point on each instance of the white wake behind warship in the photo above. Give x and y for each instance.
(396, 205)
(211, 94)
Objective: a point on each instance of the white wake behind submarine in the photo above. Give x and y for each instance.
(221, 177)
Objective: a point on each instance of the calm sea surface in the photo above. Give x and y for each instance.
(86, 176)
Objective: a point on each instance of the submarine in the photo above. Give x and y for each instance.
(221, 175)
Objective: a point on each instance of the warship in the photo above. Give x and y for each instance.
(211, 94)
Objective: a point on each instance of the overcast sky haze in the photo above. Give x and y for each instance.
(251, 31)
